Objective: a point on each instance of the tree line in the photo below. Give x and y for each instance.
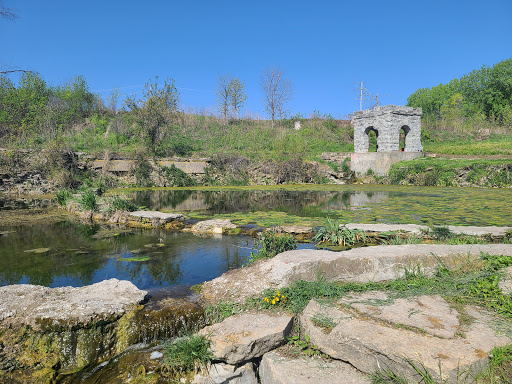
(484, 93)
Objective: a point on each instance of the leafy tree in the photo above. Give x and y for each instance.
(223, 92)
(237, 95)
(158, 108)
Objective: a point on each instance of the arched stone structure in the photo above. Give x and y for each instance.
(387, 122)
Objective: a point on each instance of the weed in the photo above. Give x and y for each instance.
(335, 233)
(345, 167)
(303, 345)
(119, 203)
(271, 244)
(142, 171)
(63, 196)
(274, 300)
(175, 177)
(441, 233)
(187, 354)
(323, 321)
(88, 200)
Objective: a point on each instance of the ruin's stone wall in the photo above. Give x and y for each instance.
(387, 122)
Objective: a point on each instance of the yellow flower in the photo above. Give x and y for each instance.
(273, 301)
(277, 298)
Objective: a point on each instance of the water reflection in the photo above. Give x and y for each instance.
(80, 255)
(300, 203)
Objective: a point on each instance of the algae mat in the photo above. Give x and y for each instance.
(309, 204)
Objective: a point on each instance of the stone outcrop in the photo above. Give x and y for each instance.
(221, 373)
(49, 333)
(378, 263)
(278, 368)
(417, 229)
(215, 226)
(244, 337)
(375, 338)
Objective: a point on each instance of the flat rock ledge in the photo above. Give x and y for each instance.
(373, 336)
(221, 373)
(37, 306)
(241, 338)
(417, 229)
(277, 368)
(214, 226)
(377, 263)
(157, 219)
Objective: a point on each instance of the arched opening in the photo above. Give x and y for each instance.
(373, 134)
(403, 138)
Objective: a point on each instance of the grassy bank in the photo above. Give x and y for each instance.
(452, 172)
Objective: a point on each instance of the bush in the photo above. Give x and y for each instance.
(88, 200)
(63, 196)
(118, 203)
(142, 171)
(175, 177)
(335, 233)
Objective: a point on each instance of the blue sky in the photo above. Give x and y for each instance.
(324, 47)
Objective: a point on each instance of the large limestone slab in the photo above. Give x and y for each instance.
(275, 368)
(378, 263)
(214, 226)
(369, 344)
(227, 374)
(161, 217)
(431, 314)
(244, 337)
(417, 229)
(39, 307)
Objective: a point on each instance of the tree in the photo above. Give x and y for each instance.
(237, 95)
(223, 91)
(7, 13)
(158, 107)
(277, 91)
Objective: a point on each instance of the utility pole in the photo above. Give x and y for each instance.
(365, 94)
(361, 96)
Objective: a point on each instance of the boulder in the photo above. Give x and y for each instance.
(378, 263)
(277, 368)
(244, 337)
(157, 219)
(370, 344)
(221, 373)
(215, 226)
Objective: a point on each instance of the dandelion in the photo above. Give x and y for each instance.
(273, 302)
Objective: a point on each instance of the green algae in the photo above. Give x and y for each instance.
(140, 258)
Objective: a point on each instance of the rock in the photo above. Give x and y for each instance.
(378, 263)
(275, 368)
(294, 229)
(215, 226)
(157, 219)
(244, 337)
(417, 229)
(227, 374)
(369, 344)
(42, 307)
(38, 250)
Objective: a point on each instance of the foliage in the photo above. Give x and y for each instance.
(142, 171)
(303, 345)
(63, 196)
(88, 200)
(175, 177)
(119, 203)
(158, 107)
(271, 244)
(187, 354)
(274, 300)
(323, 321)
(486, 91)
(335, 233)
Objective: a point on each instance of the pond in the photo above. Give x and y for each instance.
(72, 254)
(309, 204)
(62, 252)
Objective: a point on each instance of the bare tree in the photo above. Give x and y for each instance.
(7, 13)
(223, 91)
(237, 95)
(277, 91)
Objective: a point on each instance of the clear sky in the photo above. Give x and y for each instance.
(324, 47)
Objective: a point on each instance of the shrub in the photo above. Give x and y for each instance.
(88, 200)
(63, 196)
(118, 203)
(142, 171)
(175, 177)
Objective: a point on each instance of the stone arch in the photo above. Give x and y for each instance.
(402, 140)
(367, 132)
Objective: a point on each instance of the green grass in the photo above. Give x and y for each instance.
(187, 354)
(270, 244)
(495, 145)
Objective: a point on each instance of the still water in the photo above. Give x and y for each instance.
(73, 254)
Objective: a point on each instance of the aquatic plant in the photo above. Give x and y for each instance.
(63, 196)
(336, 233)
(271, 244)
(88, 200)
(119, 203)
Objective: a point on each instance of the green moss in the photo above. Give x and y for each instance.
(130, 259)
(234, 231)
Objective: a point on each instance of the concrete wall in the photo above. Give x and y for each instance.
(379, 162)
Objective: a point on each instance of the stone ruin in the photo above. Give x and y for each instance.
(387, 122)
